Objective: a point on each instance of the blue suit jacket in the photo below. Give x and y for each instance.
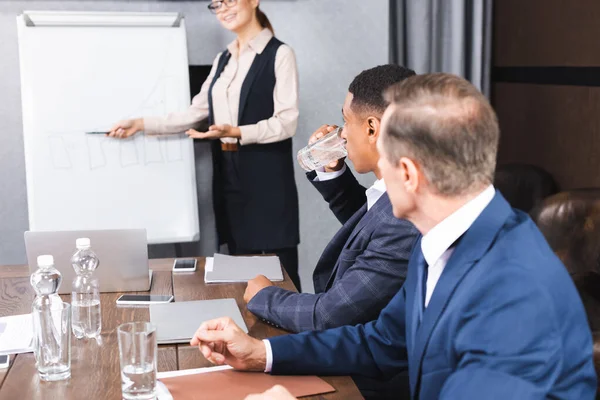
(504, 322)
(361, 269)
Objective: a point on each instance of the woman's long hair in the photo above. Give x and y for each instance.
(263, 20)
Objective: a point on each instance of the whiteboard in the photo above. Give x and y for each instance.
(83, 72)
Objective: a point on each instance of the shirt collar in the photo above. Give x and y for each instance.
(375, 192)
(439, 239)
(257, 43)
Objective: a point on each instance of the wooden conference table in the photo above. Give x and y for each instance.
(95, 366)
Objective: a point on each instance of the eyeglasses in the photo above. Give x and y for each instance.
(217, 6)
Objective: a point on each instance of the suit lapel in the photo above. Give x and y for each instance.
(365, 218)
(356, 223)
(378, 207)
(330, 255)
(245, 91)
(411, 302)
(255, 69)
(223, 60)
(473, 245)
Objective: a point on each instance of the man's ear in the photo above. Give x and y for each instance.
(373, 127)
(410, 173)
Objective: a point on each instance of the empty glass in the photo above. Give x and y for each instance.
(52, 338)
(329, 148)
(137, 353)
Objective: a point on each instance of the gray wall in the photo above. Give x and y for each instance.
(333, 41)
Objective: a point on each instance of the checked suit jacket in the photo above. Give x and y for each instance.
(360, 270)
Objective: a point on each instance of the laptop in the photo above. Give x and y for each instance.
(177, 322)
(123, 255)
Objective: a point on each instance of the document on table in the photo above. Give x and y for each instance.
(223, 382)
(162, 392)
(226, 269)
(16, 334)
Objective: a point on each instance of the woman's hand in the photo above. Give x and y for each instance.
(126, 128)
(216, 132)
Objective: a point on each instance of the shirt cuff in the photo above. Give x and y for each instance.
(323, 176)
(269, 351)
(248, 134)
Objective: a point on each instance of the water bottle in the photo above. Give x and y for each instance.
(47, 340)
(85, 295)
(329, 148)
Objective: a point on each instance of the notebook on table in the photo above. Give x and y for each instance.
(177, 322)
(225, 383)
(226, 269)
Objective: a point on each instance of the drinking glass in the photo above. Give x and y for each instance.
(137, 354)
(329, 148)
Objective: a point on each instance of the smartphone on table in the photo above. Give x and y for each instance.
(135, 299)
(184, 265)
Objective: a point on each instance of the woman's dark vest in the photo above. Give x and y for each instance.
(269, 219)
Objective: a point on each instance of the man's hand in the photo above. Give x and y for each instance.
(277, 392)
(318, 134)
(256, 285)
(221, 341)
(126, 128)
(216, 132)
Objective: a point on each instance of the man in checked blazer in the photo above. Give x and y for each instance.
(365, 263)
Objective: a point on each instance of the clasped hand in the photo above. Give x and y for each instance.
(221, 341)
(216, 132)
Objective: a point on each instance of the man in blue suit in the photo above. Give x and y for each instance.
(487, 310)
(365, 263)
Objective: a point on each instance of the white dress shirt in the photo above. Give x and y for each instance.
(373, 193)
(226, 97)
(436, 244)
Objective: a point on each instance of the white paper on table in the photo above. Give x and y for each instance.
(16, 334)
(172, 374)
(208, 266)
(162, 393)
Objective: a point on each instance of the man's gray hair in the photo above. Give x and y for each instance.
(447, 126)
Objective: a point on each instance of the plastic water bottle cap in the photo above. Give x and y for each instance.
(82, 243)
(45, 261)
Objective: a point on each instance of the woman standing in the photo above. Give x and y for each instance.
(251, 100)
